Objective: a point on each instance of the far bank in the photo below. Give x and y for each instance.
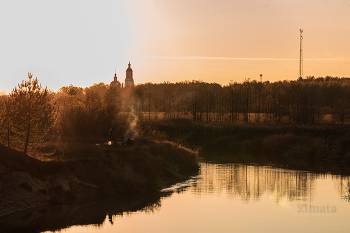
(323, 148)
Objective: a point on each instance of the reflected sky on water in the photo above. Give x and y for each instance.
(228, 197)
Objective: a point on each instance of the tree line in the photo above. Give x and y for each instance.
(31, 113)
(304, 101)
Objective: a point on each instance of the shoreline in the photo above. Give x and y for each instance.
(328, 146)
(26, 182)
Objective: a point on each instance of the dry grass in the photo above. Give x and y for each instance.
(325, 142)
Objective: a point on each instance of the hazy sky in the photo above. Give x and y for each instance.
(83, 42)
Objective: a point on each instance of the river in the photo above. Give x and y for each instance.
(224, 197)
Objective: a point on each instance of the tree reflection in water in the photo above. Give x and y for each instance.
(87, 212)
(250, 182)
(247, 183)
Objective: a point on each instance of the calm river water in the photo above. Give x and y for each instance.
(229, 197)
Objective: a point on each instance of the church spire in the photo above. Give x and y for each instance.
(115, 76)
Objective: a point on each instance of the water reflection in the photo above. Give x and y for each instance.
(342, 185)
(243, 183)
(86, 212)
(250, 182)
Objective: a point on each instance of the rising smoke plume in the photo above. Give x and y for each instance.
(131, 131)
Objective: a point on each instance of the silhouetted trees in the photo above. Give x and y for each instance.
(305, 101)
(6, 131)
(87, 114)
(29, 113)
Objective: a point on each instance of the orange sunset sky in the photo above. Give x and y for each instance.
(83, 42)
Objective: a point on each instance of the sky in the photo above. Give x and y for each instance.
(85, 42)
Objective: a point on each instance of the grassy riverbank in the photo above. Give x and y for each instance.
(268, 143)
(90, 170)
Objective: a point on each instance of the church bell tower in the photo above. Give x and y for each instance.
(129, 80)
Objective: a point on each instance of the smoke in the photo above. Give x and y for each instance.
(131, 131)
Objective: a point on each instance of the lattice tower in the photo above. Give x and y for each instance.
(301, 55)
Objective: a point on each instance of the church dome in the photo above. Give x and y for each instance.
(115, 82)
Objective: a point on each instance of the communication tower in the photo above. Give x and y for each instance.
(301, 55)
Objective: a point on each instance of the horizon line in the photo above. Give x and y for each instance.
(236, 58)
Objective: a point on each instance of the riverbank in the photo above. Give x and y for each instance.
(296, 147)
(26, 182)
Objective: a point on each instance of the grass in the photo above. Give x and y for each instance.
(65, 171)
(267, 142)
(148, 165)
(151, 164)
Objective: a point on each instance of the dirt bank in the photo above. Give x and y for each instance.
(26, 182)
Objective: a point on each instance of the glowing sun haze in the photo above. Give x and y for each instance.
(83, 42)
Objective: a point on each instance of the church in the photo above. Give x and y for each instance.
(129, 80)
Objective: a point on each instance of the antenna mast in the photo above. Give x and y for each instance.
(301, 55)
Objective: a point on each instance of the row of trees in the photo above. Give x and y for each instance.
(31, 112)
(305, 101)
(73, 113)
